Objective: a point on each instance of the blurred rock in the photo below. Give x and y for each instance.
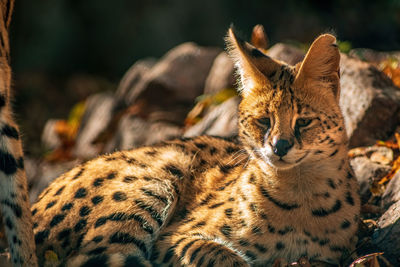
(220, 121)
(41, 174)
(134, 132)
(386, 237)
(373, 56)
(131, 79)
(50, 139)
(369, 101)
(221, 75)
(392, 192)
(287, 53)
(366, 171)
(177, 77)
(98, 113)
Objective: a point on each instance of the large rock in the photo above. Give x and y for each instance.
(177, 77)
(97, 115)
(386, 237)
(287, 53)
(369, 101)
(220, 121)
(374, 56)
(392, 192)
(132, 77)
(221, 75)
(133, 131)
(367, 171)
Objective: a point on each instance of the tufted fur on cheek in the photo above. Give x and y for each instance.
(320, 68)
(254, 68)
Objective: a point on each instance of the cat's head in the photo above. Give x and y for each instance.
(289, 114)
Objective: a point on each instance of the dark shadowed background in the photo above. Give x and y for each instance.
(64, 50)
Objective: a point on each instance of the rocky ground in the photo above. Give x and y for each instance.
(155, 100)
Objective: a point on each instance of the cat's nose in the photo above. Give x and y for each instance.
(281, 147)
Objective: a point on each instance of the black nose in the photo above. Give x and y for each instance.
(281, 147)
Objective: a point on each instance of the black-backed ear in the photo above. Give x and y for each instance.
(253, 66)
(320, 67)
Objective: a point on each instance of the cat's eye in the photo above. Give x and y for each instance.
(303, 122)
(264, 122)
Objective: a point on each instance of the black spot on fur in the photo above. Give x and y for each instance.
(256, 230)
(174, 171)
(226, 230)
(279, 246)
(321, 212)
(126, 238)
(199, 224)
(10, 132)
(67, 206)
(333, 153)
(80, 225)
(97, 251)
(200, 145)
(331, 183)
(111, 175)
(76, 176)
(50, 204)
(226, 168)
(349, 198)
(260, 248)
(345, 224)
(100, 221)
(9, 223)
(59, 190)
(186, 247)
(97, 261)
(98, 182)
(228, 213)
(98, 238)
(65, 233)
(278, 203)
(129, 179)
(8, 164)
(133, 261)
(84, 211)
(97, 199)
(119, 196)
(285, 230)
(271, 229)
(41, 236)
(251, 255)
(244, 243)
(214, 206)
(194, 255)
(80, 193)
(57, 219)
(323, 242)
(213, 150)
(207, 199)
(2, 101)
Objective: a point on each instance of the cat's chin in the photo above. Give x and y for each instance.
(280, 164)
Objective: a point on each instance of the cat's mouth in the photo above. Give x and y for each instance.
(284, 162)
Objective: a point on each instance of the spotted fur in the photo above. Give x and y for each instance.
(284, 190)
(14, 205)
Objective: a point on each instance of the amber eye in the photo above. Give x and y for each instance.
(264, 122)
(302, 122)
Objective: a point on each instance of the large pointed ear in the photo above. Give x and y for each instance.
(320, 67)
(259, 38)
(253, 66)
